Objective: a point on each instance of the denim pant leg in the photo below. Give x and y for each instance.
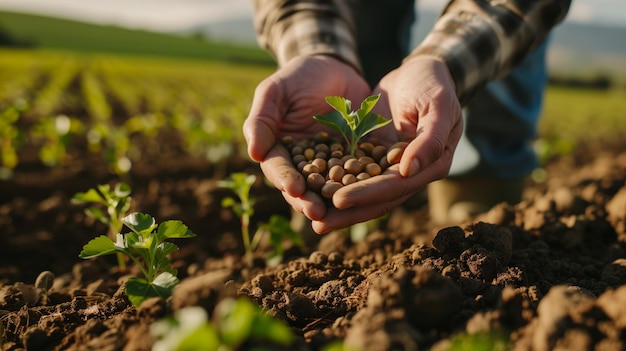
(501, 122)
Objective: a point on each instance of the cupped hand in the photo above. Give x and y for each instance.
(420, 96)
(284, 104)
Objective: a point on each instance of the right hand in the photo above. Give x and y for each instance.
(284, 104)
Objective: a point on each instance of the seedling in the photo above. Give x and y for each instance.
(116, 202)
(44, 283)
(145, 245)
(278, 227)
(236, 321)
(353, 125)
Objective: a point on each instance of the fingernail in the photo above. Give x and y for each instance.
(414, 167)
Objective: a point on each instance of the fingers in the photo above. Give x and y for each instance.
(309, 204)
(259, 128)
(279, 170)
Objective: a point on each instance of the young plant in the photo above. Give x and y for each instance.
(116, 202)
(353, 125)
(235, 322)
(278, 227)
(145, 245)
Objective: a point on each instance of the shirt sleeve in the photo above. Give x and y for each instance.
(482, 40)
(290, 28)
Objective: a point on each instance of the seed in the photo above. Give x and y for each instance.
(297, 150)
(322, 155)
(321, 137)
(365, 160)
(309, 153)
(315, 182)
(358, 153)
(309, 168)
(287, 140)
(329, 189)
(304, 143)
(373, 169)
(346, 158)
(348, 179)
(366, 147)
(298, 158)
(322, 148)
(362, 176)
(336, 173)
(353, 166)
(301, 165)
(336, 147)
(395, 152)
(44, 280)
(383, 163)
(334, 162)
(336, 154)
(320, 163)
(378, 152)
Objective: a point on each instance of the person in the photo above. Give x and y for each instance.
(467, 98)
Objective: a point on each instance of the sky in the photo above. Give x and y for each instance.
(172, 15)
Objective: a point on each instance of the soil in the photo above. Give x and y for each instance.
(546, 273)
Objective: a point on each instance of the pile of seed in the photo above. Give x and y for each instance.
(327, 165)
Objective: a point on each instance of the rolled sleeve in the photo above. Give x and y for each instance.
(483, 40)
(290, 29)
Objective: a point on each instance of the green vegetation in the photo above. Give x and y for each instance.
(60, 34)
(278, 227)
(116, 202)
(236, 322)
(147, 247)
(353, 125)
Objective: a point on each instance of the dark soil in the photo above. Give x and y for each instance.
(547, 273)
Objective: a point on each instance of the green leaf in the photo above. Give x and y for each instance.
(367, 105)
(122, 190)
(235, 318)
(173, 229)
(204, 338)
(265, 327)
(341, 104)
(99, 246)
(371, 122)
(90, 195)
(336, 121)
(97, 214)
(139, 290)
(140, 223)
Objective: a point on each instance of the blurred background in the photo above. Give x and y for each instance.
(118, 77)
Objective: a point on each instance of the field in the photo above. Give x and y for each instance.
(546, 273)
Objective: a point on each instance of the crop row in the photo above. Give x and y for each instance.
(56, 104)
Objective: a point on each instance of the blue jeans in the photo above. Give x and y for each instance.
(501, 123)
(500, 120)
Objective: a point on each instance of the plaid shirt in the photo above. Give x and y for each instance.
(479, 40)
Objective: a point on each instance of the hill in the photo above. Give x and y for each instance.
(55, 33)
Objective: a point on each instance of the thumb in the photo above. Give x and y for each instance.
(259, 128)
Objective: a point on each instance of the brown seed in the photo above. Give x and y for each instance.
(304, 143)
(309, 168)
(362, 176)
(336, 154)
(334, 162)
(373, 169)
(336, 173)
(383, 163)
(348, 179)
(320, 163)
(321, 155)
(298, 158)
(353, 166)
(365, 160)
(297, 150)
(336, 147)
(287, 140)
(359, 153)
(329, 189)
(321, 137)
(301, 165)
(315, 182)
(395, 152)
(346, 158)
(366, 147)
(309, 153)
(322, 148)
(378, 152)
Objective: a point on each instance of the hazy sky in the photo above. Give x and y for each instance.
(169, 15)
